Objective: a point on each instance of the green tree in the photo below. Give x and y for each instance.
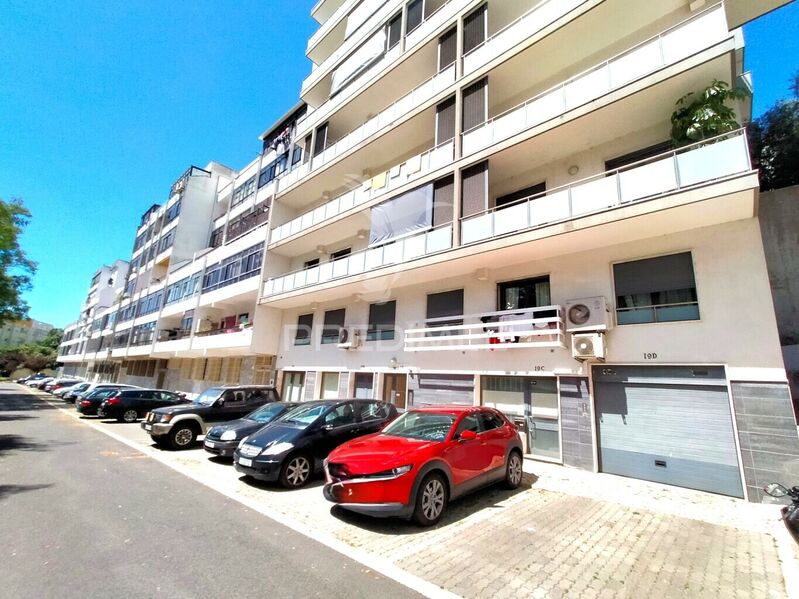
(16, 269)
(705, 115)
(774, 142)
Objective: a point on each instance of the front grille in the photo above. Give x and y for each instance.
(338, 472)
(249, 451)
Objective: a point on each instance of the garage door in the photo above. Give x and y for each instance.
(667, 424)
(436, 389)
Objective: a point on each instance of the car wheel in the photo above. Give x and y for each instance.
(431, 500)
(182, 436)
(296, 471)
(100, 413)
(130, 416)
(513, 470)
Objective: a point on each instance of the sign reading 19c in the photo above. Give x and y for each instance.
(650, 356)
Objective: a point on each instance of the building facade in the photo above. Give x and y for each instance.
(479, 202)
(18, 332)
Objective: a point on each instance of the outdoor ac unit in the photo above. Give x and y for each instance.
(588, 346)
(587, 314)
(348, 339)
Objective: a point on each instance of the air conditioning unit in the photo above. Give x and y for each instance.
(587, 314)
(588, 346)
(348, 339)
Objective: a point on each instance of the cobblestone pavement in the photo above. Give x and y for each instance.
(564, 533)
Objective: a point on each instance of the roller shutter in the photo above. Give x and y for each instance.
(438, 389)
(667, 424)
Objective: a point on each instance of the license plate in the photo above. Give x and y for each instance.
(209, 444)
(148, 427)
(245, 462)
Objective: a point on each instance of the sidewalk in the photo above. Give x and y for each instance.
(564, 533)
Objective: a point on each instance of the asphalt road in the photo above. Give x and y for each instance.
(82, 515)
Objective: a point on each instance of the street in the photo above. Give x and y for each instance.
(86, 516)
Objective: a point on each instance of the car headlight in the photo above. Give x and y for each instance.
(401, 470)
(166, 417)
(277, 448)
(243, 441)
(393, 473)
(228, 436)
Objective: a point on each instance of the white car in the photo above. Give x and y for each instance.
(39, 383)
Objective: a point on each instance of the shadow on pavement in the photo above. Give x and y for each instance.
(21, 402)
(6, 490)
(316, 482)
(20, 443)
(10, 417)
(488, 498)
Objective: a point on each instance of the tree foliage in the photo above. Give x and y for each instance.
(36, 356)
(774, 142)
(704, 115)
(16, 269)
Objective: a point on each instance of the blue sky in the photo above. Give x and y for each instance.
(104, 104)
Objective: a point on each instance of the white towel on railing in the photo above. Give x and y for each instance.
(507, 332)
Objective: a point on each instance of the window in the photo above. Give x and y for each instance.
(311, 263)
(474, 29)
(447, 49)
(235, 268)
(343, 253)
(329, 388)
(394, 30)
(342, 415)
(216, 237)
(445, 305)
(491, 421)
(304, 326)
(371, 410)
(172, 213)
(243, 192)
(321, 139)
(469, 423)
(381, 321)
(293, 383)
(659, 289)
(620, 161)
(527, 293)
(262, 370)
(334, 322)
(414, 15)
(521, 194)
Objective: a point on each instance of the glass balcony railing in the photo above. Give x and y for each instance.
(701, 163)
(681, 41)
(364, 261)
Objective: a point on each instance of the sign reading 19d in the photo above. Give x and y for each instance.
(650, 356)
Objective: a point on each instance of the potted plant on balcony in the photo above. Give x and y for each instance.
(704, 115)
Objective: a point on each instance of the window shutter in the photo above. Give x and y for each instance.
(445, 120)
(443, 196)
(475, 109)
(474, 29)
(447, 49)
(474, 189)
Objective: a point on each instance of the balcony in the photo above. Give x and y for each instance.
(397, 176)
(432, 22)
(667, 48)
(506, 329)
(397, 252)
(524, 27)
(698, 164)
(234, 338)
(170, 341)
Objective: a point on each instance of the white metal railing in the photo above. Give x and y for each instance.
(410, 101)
(504, 329)
(396, 252)
(399, 175)
(431, 23)
(329, 24)
(524, 27)
(669, 47)
(723, 156)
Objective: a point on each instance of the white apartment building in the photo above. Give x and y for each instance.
(478, 202)
(18, 332)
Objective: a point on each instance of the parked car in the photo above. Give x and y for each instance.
(71, 392)
(99, 386)
(222, 440)
(87, 404)
(179, 426)
(62, 390)
(39, 383)
(128, 405)
(292, 449)
(58, 383)
(422, 460)
(31, 377)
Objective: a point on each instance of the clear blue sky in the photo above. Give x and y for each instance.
(104, 104)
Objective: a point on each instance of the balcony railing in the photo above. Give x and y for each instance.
(669, 47)
(530, 23)
(396, 252)
(432, 22)
(403, 173)
(238, 328)
(173, 334)
(506, 329)
(704, 162)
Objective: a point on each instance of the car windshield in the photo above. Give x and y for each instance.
(429, 426)
(266, 413)
(103, 393)
(209, 396)
(306, 415)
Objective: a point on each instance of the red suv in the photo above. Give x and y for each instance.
(423, 459)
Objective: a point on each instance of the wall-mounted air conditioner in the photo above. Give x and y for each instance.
(348, 339)
(587, 314)
(588, 346)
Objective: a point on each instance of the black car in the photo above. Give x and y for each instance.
(291, 449)
(88, 404)
(179, 426)
(128, 405)
(223, 440)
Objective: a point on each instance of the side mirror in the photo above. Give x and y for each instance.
(467, 436)
(775, 490)
(327, 427)
(220, 402)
